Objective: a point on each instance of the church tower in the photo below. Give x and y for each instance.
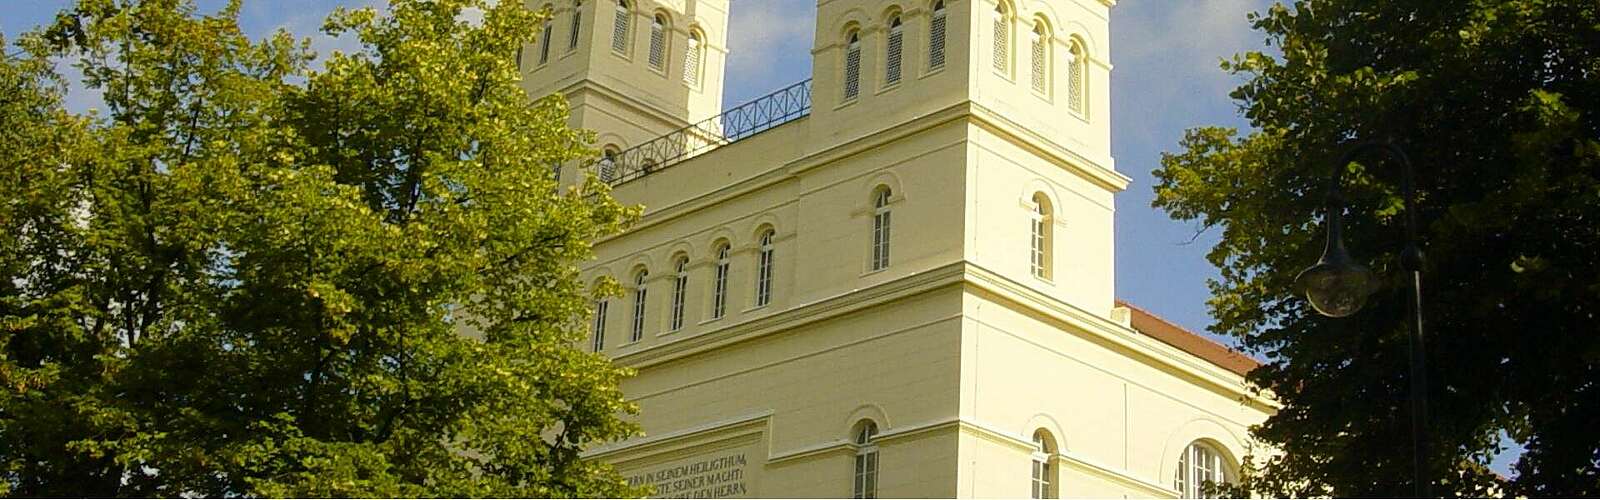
(632, 70)
(895, 279)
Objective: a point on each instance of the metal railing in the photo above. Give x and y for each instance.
(741, 122)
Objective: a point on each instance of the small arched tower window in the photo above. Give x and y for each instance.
(1077, 87)
(719, 292)
(658, 42)
(893, 51)
(764, 266)
(639, 300)
(864, 437)
(598, 328)
(936, 37)
(1002, 37)
(680, 288)
(1041, 58)
(546, 35)
(692, 55)
(1041, 228)
(1044, 470)
(621, 26)
(880, 228)
(608, 163)
(852, 65)
(577, 25)
(1200, 470)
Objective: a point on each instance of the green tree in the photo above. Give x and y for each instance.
(1498, 104)
(248, 277)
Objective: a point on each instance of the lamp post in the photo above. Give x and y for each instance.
(1338, 286)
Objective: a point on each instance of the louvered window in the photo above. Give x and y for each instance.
(658, 43)
(891, 67)
(1041, 62)
(545, 40)
(619, 28)
(764, 270)
(679, 289)
(599, 327)
(936, 42)
(639, 297)
(719, 294)
(1076, 94)
(577, 25)
(852, 67)
(691, 60)
(880, 230)
(1002, 39)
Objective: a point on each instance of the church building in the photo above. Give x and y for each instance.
(893, 280)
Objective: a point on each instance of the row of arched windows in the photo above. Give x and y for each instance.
(1200, 469)
(765, 265)
(1040, 69)
(621, 39)
(894, 49)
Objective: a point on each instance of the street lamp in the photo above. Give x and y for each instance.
(1338, 286)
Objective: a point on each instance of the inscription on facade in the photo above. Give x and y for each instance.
(720, 476)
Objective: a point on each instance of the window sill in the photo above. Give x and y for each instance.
(871, 272)
(757, 308)
(889, 88)
(932, 72)
(847, 103)
(712, 320)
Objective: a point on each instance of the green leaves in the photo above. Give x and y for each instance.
(1495, 103)
(252, 278)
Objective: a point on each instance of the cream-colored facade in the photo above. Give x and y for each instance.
(926, 254)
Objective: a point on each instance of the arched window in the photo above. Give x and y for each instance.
(892, 51)
(764, 270)
(692, 55)
(1041, 227)
(1200, 469)
(1002, 38)
(936, 29)
(1041, 57)
(598, 329)
(546, 34)
(719, 292)
(1044, 471)
(852, 65)
(679, 287)
(880, 228)
(866, 471)
(639, 297)
(577, 24)
(658, 42)
(608, 163)
(621, 25)
(1077, 88)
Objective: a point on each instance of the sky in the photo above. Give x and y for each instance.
(1165, 79)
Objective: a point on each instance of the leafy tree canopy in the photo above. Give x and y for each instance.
(249, 277)
(1498, 104)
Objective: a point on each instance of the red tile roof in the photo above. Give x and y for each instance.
(1193, 343)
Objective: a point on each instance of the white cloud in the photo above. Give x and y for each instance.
(769, 43)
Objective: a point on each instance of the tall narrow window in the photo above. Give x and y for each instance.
(691, 59)
(719, 293)
(658, 42)
(866, 470)
(1002, 38)
(1044, 481)
(892, 52)
(764, 270)
(599, 327)
(620, 25)
(936, 29)
(1041, 58)
(577, 25)
(1200, 469)
(1076, 86)
(1039, 255)
(608, 163)
(639, 297)
(545, 36)
(679, 287)
(852, 66)
(880, 229)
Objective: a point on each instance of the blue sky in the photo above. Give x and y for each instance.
(1166, 78)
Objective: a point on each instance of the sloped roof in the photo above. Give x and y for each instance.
(1193, 343)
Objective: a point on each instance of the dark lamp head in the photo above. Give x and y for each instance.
(1337, 286)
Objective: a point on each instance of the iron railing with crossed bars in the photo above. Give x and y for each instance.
(748, 119)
